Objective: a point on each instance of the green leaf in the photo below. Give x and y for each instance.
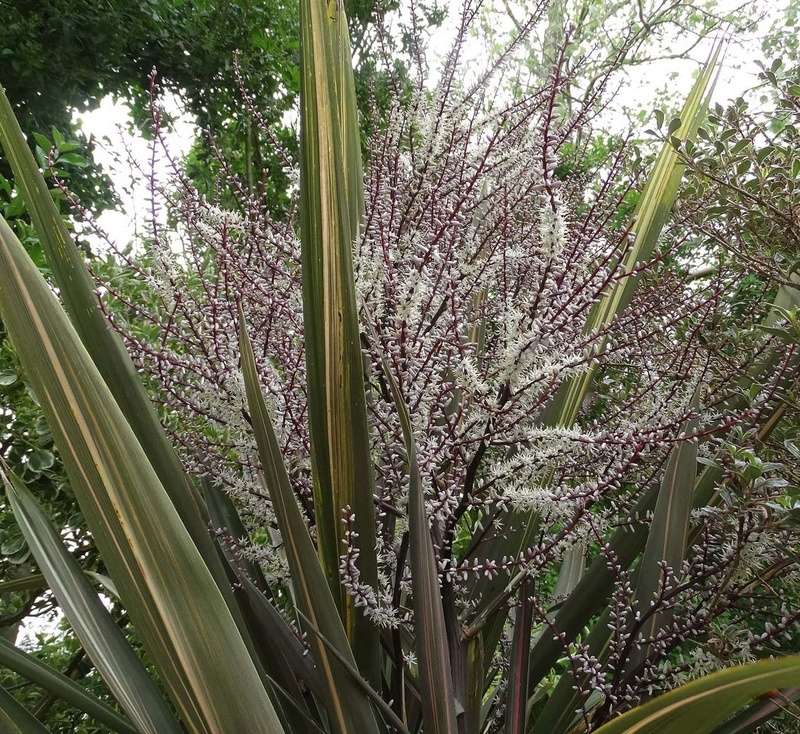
(12, 546)
(77, 290)
(652, 211)
(331, 199)
(564, 707)
(161, 577)
(8, 378)
(373, 696)
(58, 138)
(701, 705)
(35, 582)
(73, 159)
(100, 636)
(666, 540)
(517, 693)
(15, 718)
(42, 142)
(348, 708)
(438, 703)
(40, 459)
(592, 591)
(61, 686)
(282, 655)
(572, 569)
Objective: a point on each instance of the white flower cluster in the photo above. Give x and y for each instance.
(481, 274)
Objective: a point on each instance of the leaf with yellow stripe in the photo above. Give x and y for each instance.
(348, 708)
(431, 641)
(650, 216)
(77, 291)
(164, 583)
(594, 588)
(331, 200)
(698, 707)
(99, 634)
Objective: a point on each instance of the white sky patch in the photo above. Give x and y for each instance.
(119, 148)
(640, 88)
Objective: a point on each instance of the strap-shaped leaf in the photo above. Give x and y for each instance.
(572, 569)
(433, 656)
(224, 517)
(651, 214)
(34, 582)
(701, 705)
(77, 291)
(100, 636)
(15, 718)
(666, 539)
(592, 592)
(60, 686)
(164, 583)
(331, 210)
(282, 655)
(776, 703)
(562, 712)
(386, 710)
(348, 708)
(517, 694)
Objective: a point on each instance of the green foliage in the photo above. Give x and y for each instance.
(228, 659)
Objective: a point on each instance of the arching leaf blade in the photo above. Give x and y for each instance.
(172, 599)
(100, 636)
(348, 708)
(60, 686)
(705, 703)
(77, 290)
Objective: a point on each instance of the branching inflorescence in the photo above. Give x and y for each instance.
(479, 265)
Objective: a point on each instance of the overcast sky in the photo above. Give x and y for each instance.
(642, 88)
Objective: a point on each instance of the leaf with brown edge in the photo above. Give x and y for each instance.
(348, 708)
(331, 209)
(99, 634)
(698, 707)
(77, 291)
(173, 601)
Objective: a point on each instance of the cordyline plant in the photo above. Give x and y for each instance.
(474, 380)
